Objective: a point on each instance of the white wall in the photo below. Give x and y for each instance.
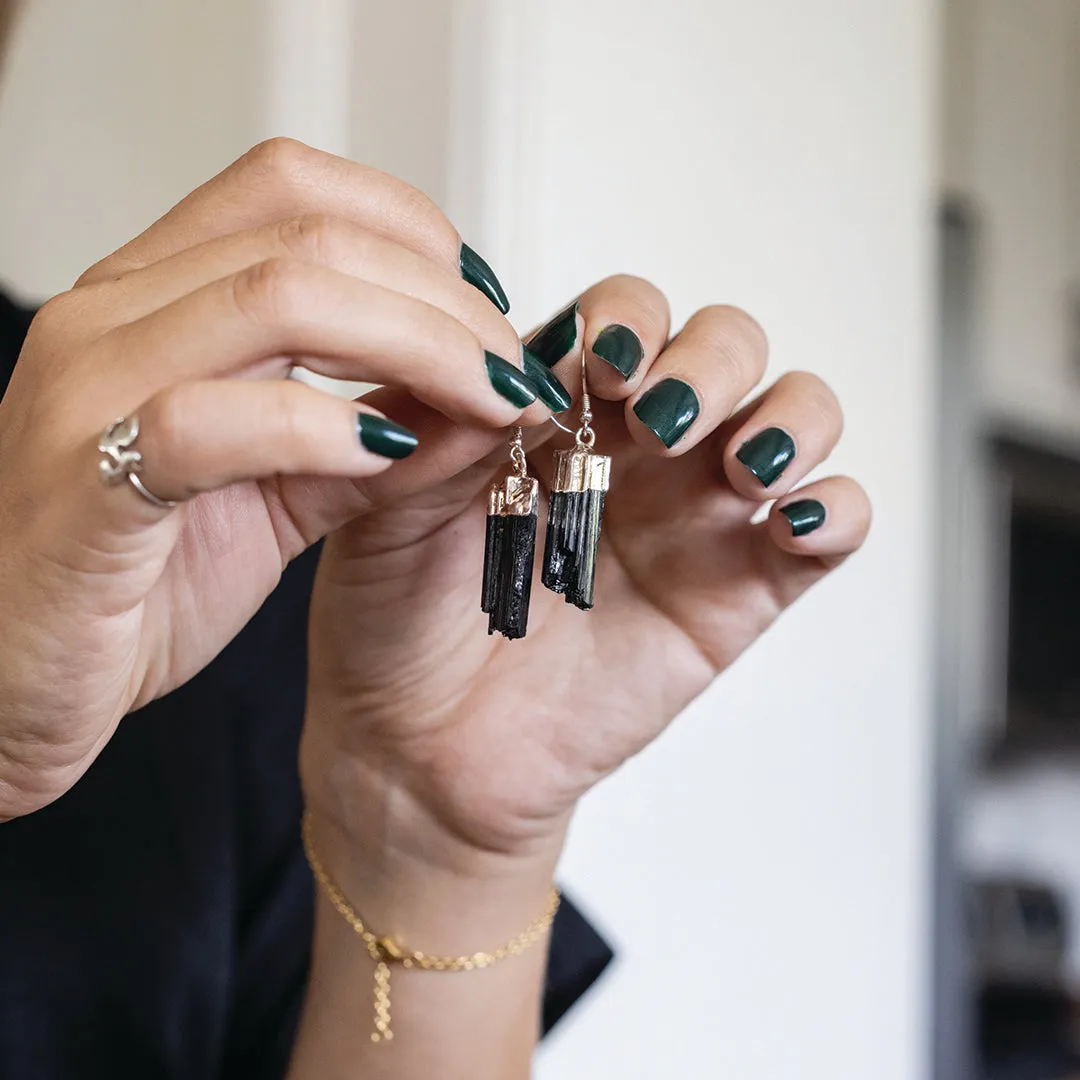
(111, 112)
(763, 869)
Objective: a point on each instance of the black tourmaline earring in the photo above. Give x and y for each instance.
(578, 483)
(510, 547)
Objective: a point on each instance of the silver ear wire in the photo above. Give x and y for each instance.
(584, 397)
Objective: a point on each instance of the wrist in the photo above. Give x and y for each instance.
(410, 871)
(428, 904)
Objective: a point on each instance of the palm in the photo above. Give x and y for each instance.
(684, 585)
(228, 558)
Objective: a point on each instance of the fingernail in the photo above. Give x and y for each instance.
(805, 516)
(478, 274)
(621, 348)
(554, 341)
(668, 409)
(767, 454)
(384, 437)
(511, 382)
(551, 392)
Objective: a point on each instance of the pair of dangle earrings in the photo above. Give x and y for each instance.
(579, 481)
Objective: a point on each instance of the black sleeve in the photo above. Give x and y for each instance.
(578, 957)
(14, 323)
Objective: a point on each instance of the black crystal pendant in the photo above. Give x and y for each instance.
(508, 555)
(573, 532)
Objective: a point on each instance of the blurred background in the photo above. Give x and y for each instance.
(859, 854)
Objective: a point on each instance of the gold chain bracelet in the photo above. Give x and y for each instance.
(386, 951)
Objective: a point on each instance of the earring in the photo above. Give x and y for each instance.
(510, 547)
(579, 481)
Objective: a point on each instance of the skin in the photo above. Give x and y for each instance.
(438, 750)
(440, 766)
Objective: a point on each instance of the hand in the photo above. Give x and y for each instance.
(429, 743)
(107, 601)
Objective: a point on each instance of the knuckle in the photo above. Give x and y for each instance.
(419, 209)
(91, 274)
(734, 337)
(748, 329)
(647, 299)
(313, 238)
(279, 162)
(167, 418)
(59, 331)
(270, 291)
(288, 417)
(53, 315)
(448, 336)
(417, 221)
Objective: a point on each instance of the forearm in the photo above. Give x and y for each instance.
(476, 1025)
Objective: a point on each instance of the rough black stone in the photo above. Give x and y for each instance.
(573, 534)
(509, 551)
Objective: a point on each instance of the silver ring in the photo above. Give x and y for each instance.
(120, 460)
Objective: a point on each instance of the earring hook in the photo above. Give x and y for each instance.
(584, 436)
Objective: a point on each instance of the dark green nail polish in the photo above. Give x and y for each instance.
(511, 382)
(767, 454)
(384, 437)
(805, 516)
(551, 392)
(555, 340)
(478, 274)
(668, 409)
(621, 348)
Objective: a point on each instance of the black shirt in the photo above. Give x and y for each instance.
(155, 922)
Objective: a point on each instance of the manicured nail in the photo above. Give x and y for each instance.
(767, 454)
(805, 516)
(478, 274)
(551, 392)
(384, 437)
(621, 348)
(669, 408)
(555, 340)
(511, 382)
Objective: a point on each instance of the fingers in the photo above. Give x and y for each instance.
(624, 322)
(558, 338)
(778, 439)
(282, 179)
(762, 451)
(201, 436)
(254, 321)
(697, 381)
(323, 241)
(829, 519)
(627, 322)
(810, 532)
